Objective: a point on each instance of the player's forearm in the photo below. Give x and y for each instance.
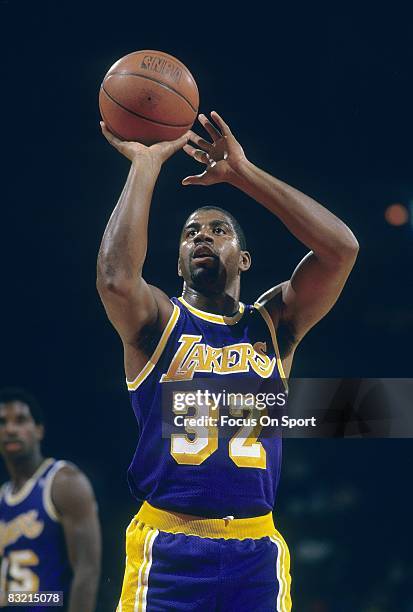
(124, 244)
(306, 219)
(83, 591)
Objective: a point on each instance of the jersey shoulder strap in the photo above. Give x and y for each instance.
(48, 504)
(3, 490)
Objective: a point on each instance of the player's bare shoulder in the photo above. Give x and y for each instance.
(139, 349)
(165, 306)
(71, 488)
(273, 302)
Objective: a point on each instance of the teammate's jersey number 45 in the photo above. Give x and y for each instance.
(16, 573)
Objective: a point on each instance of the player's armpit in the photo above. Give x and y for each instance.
(138, 348)
(287, 341)
(75, 503)
(298, 304)
(132, 305)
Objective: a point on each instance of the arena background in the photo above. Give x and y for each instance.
(320, 100)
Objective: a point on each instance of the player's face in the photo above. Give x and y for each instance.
(209, 254)
(19, 434)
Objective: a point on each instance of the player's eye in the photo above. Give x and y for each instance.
(191, 233)
(219, 231)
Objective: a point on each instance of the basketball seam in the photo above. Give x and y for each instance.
(148, 78)
(187, 125)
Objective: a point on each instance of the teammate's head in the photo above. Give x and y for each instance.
(212, 251)
(21, 424)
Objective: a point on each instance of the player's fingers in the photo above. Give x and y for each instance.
(203, 144)
(189, 149)
(212, 131)
(197, 179)
(179, 142)
(198, 154)
(113, 140)
(173, 146)
(224, 127)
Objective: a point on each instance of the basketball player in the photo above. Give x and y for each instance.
(204, 538)
(49, 529)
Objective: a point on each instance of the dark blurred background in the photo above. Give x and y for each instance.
(320, 98)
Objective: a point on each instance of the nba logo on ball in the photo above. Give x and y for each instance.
(161, 65)
(148, 96)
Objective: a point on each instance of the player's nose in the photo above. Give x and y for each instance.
(203, 236)
(10, 428)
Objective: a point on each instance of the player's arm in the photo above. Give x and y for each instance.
(320, 277)
(131, 304)
(75, 503)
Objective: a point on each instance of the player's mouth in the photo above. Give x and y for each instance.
(203, 253)
(12, 445)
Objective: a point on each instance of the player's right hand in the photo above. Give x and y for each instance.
(221, 157)
(139, 153)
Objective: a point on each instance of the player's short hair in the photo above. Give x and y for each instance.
(15, 394)
(237, 227)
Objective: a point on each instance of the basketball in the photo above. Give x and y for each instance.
(148, 96)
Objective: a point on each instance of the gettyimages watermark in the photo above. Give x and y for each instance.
(308, 408)
(206, 407)
(256, 405)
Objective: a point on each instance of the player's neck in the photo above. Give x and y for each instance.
(22, 469)
(225, 304)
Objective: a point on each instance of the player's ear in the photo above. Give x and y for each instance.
(244, 261)
(40, 432)
(179, 267)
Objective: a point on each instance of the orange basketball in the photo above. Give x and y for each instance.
(148, 96)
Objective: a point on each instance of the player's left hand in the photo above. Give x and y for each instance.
(221, 156)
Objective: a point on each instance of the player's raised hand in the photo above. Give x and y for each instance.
(137, 152)
(220, 156)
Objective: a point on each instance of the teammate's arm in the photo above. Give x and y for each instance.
(73, 498)
(131, 304)
(320, 277)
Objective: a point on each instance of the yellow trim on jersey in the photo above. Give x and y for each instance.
(174, 522)
(265, 315)
(144, 373)
(16, 498)
(47, 492)
(283, 573)
(214, 318)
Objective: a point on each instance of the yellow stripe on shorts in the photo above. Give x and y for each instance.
(283, 573)
(142, 591)
(146, 525)
(139, 544)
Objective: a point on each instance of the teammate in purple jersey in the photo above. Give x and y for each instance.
(49, 528)
(204, 538)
